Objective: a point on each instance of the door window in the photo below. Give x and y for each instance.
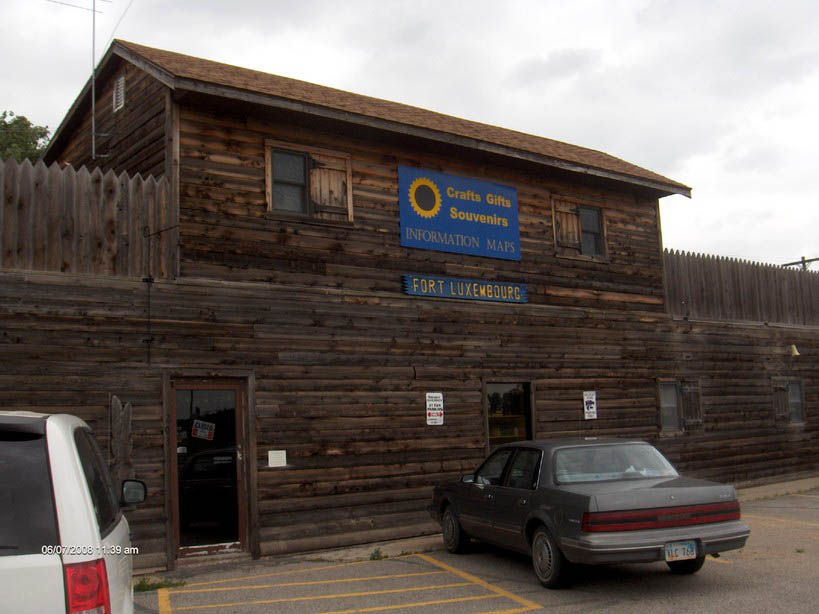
(492, 469)
(27, 518)
(206, 466)
(523, 472)
(100, 486)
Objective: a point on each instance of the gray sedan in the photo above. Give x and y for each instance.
(589, 501)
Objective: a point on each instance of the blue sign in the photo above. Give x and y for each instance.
(456, 214)
(469, 289)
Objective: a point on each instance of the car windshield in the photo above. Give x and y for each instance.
(610, 462)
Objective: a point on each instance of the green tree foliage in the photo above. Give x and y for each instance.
(20, 139)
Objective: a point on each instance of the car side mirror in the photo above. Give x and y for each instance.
(468, 478)
(133, 491)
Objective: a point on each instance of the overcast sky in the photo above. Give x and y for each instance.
(719, 95)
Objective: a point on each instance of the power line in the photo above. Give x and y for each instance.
(119, 21)
(74, 6)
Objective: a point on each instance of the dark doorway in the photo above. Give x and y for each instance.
(509, 413)
(207, 468)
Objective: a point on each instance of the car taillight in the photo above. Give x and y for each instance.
(660, 517)
(86, 585)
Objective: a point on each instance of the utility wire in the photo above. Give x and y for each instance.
(75, 6)
(119, 21)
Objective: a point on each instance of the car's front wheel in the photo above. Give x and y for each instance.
(686, 567)
(455, 539)
(548, 561)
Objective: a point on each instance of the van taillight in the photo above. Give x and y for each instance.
(87, 587)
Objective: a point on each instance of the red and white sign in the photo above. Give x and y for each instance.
(435, 408)
(203, 430)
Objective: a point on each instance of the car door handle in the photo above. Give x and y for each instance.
(522, 501)
(490, 496)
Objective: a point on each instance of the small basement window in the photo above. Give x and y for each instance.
(670, 407)
(119, 93)
(680, 407)
(788, 401)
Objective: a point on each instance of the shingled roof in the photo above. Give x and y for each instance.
(187, 72)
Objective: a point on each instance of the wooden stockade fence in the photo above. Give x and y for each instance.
(76, 221)
(717, 288)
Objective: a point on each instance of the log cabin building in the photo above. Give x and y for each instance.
(327, 303)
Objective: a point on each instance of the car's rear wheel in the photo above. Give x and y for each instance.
(547, 560)
(686, 567)
(455, 539)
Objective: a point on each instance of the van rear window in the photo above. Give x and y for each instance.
(27, 518)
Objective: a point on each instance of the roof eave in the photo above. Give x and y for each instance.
(193, 85)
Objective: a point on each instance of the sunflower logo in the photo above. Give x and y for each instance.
(425, 197)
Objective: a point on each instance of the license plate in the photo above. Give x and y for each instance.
(680, 551)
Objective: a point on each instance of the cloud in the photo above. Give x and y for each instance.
(560, 64)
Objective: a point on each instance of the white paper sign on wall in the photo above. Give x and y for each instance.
(435, 408)
(590, 404)
(277, 458)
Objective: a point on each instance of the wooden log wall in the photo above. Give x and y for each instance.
(341, 358)
(341, 377)
(713, 287)
(227, 234)
(131, 139)
(59, 219)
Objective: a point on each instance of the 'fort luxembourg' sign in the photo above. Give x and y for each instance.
(456, 214)
(469, 289)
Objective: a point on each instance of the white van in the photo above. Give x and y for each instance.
(64, 543)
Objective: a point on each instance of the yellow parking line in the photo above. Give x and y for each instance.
(530, 605)
(720, 561)
(278, 573)
(796, 494)
(785, 520)
(418, 604)
(163, 600)
(221, 589)
(512, 611)
(319, 597)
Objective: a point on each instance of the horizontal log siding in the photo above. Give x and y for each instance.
(340, 383)
(226, 234)
(130, 140)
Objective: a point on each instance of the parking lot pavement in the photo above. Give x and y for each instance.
(776, 571)
(418, 582)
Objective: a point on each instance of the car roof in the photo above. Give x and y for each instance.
(548, 445)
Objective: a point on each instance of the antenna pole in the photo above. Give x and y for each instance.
(93, 81)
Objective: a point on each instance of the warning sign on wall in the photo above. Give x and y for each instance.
(590, 404)
(435, 408)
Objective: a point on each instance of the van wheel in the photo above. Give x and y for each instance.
(547, 560)
(455, 539)
(686, 567)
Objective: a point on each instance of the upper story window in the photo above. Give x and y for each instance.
(289, 180)
(591, 231)
(788, 401)
(119, 93)
(308, 182)
(580, 230)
